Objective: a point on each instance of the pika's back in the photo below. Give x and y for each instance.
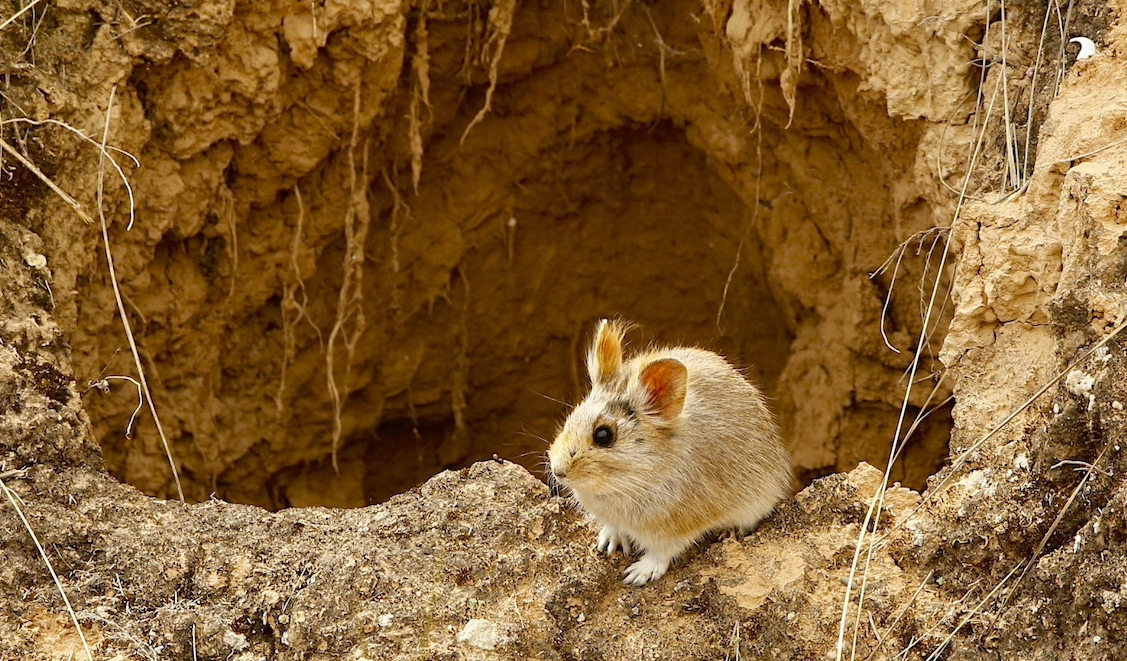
(716, 393)
(728, 433)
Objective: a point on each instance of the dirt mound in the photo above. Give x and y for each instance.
(358, 243)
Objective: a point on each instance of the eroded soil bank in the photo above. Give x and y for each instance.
(370, 240)
(345, 274)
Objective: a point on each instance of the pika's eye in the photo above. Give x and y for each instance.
(603, 436)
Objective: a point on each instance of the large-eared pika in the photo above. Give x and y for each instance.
(670, 444)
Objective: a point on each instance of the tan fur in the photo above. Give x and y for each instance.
(695, 450)
(604, 360)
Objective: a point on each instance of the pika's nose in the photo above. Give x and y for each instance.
(560, 461)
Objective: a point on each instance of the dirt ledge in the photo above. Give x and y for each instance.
(483, 563)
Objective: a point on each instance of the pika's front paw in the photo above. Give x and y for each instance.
(611, 539)
(650, 567)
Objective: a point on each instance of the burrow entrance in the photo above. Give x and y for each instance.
(320, 329)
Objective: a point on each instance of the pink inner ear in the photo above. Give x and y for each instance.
(664, 381)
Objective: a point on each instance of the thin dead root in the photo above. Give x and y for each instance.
(399, 210)
(500, 26)
(420, 96)
(104, 150)
(923, 413)
(663, 49)
(460, 379)
(758, 129)
(949, 613)
(1079, 466)
(74, 204)
(947, 293)
(597, 33)
(1095, 151)
(16, 502)
(976, 610)
(19, 13)
(894, 261)
(16, 474)
(230, 220)
(104, 386)
(903, 609)
(148, 396)
(965, 456)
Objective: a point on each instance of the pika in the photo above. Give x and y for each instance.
(670, 444)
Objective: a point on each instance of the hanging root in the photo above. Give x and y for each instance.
(350, 323)
(500, 26)
(788, 80)
(229, 217)
(293, 310)
(399, 211)
(420, 97)
(461, 370)
(757, 128)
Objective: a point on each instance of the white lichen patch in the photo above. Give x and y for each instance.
(1079, 383)
(484, 634)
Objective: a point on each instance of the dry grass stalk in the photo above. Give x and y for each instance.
(904, 609)
(8, 21)
(66, 197)
(15, 502)
(976, 610)
(121, 305)
(103, 149)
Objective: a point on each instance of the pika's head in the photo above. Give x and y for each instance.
(619, 436)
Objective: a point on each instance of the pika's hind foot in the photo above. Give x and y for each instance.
(650, 568)
(729, 534)
(611, 539)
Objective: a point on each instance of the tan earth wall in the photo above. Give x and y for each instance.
(370, 240)
(358, 243)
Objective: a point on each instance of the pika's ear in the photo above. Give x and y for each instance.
(604, 358)
(665, 381)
